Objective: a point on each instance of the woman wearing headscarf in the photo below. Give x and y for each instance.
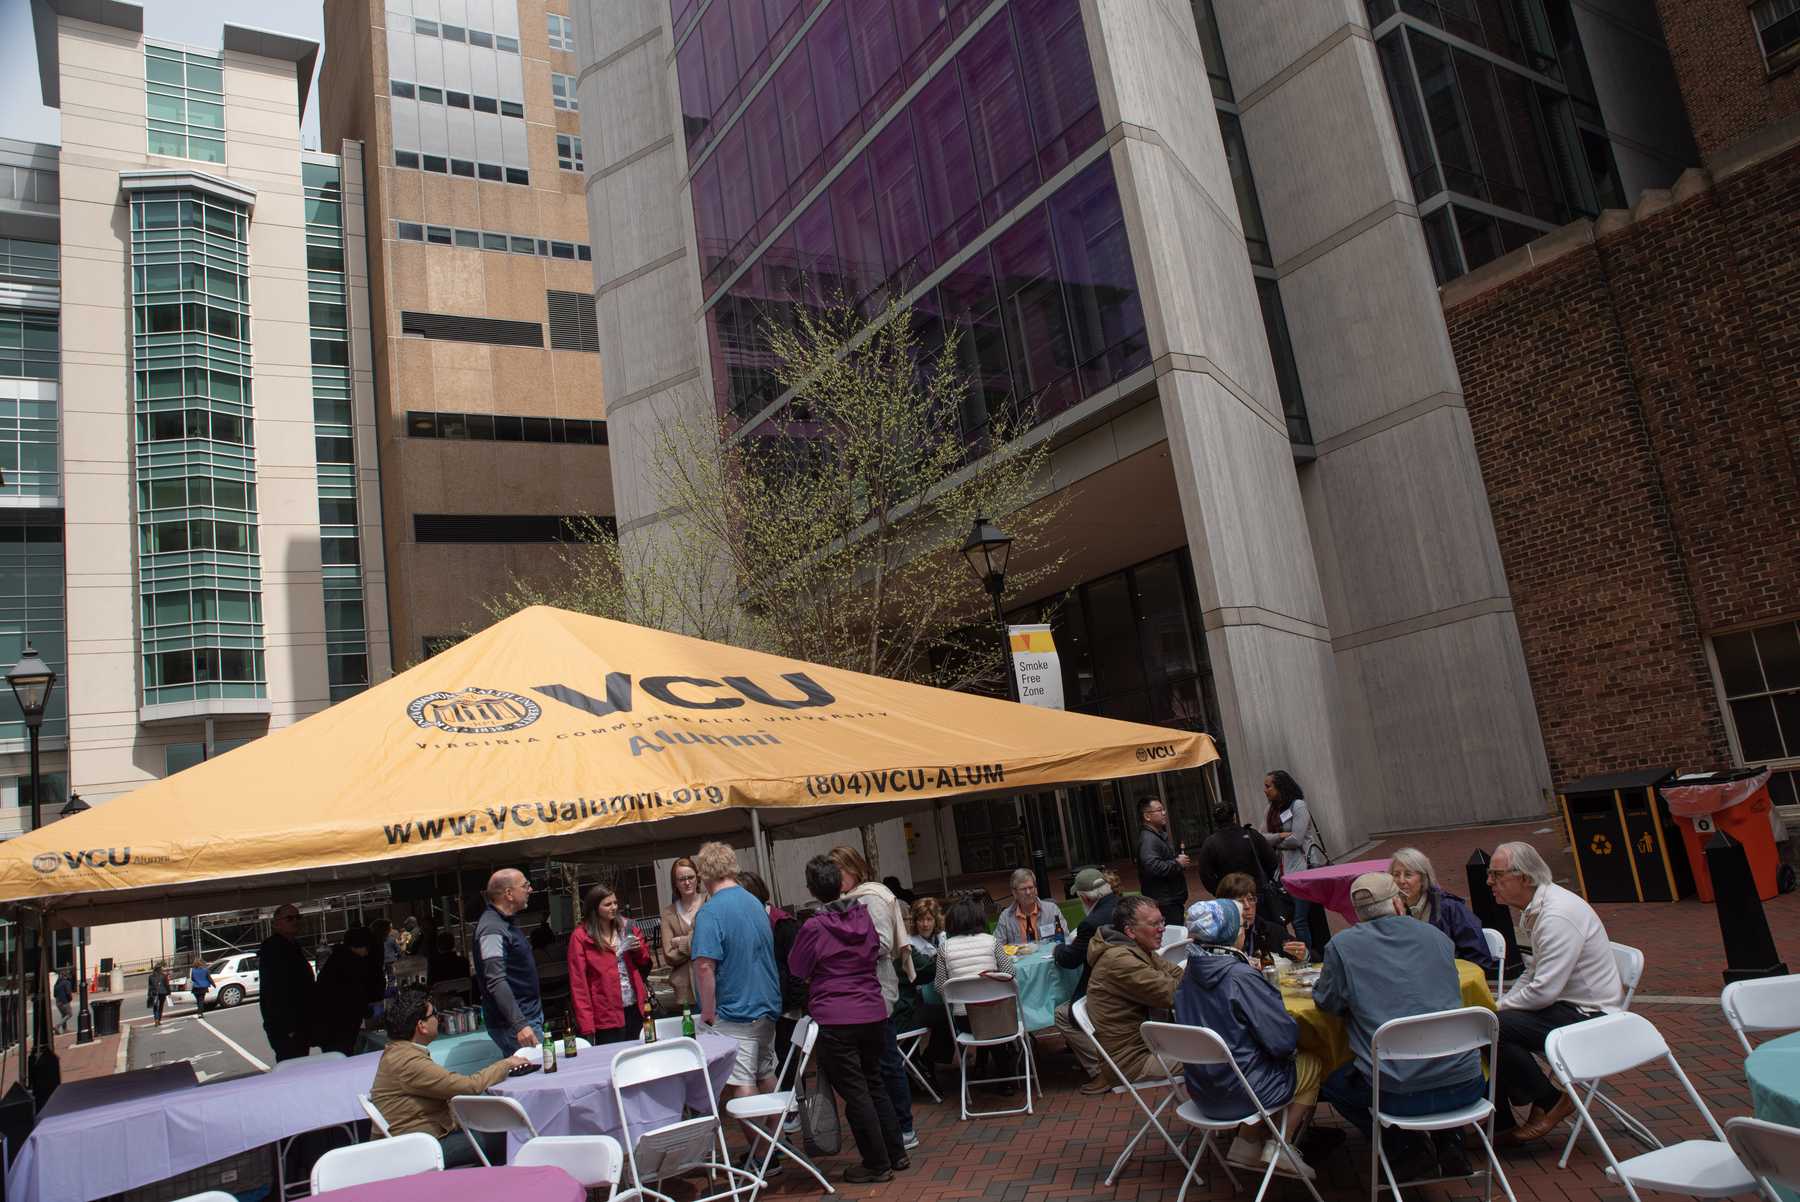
(1429, 902)
(1220, 990)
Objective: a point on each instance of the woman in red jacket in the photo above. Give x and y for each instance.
(607, 965)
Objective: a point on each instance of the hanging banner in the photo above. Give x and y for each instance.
(1036, 668)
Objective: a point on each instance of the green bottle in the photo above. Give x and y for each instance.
(687, 1023)
(549, 1051)
(569, 1050)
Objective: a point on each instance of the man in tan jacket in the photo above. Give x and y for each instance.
(413, 1091)
(1127, 981)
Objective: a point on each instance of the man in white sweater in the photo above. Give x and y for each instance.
(1572, 976)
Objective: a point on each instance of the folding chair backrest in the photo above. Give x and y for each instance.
(1437, 1035)
(1178, 1042)
(375, 1116)
(1176, 953)
(211, 1195)
(1604, 1046)
(379, 1160)
(669, 1148)
(806, 1033)
(655, 1061)
(979, 990)
(1767, 1004)
(1174, 933)
(1496, 944)
(492, 1113)
(1631, 968)
(1078, 1009)
(1767, 1149)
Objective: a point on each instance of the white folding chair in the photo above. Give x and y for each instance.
(773, 1110)
(1769, 1150)
(1496, 945)
(1631, 970)
(211, 1195)
(696, 1143)
(1176, 953)
(1769, 1004)
(592, 1160)
(378, 1160)
(1615, 1043)
(989, 991)
(1174, 933)
(911, 1044)
(284, 1188)
(1152, 1118)
(1435, 1037)
(376, 1118)
(1177, 1043)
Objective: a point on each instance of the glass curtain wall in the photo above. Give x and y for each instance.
(340, 549)
(185, 101)
(31, 611)
(199, 570)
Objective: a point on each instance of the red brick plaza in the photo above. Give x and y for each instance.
(1063, 1151)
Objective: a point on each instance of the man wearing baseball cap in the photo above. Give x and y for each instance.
(1390, 965)
(1098, 899)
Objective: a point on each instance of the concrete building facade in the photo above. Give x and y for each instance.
(491, 427)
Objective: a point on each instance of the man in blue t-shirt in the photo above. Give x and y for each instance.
(733, 951)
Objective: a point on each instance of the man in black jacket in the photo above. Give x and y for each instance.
(286, 987)
(1098, 899)
(1162, 869)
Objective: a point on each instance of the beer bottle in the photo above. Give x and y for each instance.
(569, 1049)
(649, 1025)
(549, 1051)
(687, 1022)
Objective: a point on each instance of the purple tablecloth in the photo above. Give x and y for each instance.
(577, 1099)
(1330, 885)
(120, 1087)
(78, 1155)
(541, 1184)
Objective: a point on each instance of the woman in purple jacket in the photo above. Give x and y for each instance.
(1428, 902)
(835, 954)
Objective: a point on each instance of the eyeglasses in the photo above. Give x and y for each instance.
(1495, 874)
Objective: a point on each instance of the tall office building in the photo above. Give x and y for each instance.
(491, 425)
(197, 544)
(1279, 530)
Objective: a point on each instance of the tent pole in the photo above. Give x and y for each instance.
(19, 990)
(937, 822)
(762, 851)
(1062, 818)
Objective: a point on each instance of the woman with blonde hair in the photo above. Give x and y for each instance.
(861, 887)
(678, 927)
(1429, 902)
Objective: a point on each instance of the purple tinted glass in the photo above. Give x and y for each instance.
(923, 32)
(1064, 103)
(750, 36)
(952, 199)
(971, 310)
(1093, 256)
(1037, 322)
(733, 158)
(834, 79)
(720, 55)
(999, 129)
(875, 47)
(900, 203)
(679, 12)
(709, 219)
(815, 254)
(696, 107)
(858, 232)
(762, 135)
(800, 137)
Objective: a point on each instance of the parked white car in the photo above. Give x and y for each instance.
(234, 979)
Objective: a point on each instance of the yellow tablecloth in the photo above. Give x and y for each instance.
(1326, 1035)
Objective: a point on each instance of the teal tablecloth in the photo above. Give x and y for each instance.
(1042, 988)
(465, 1054)
(1774, 1073)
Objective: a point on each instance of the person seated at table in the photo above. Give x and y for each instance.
(1128, 982)
(1572, 976)
(608, 964)
(1221, 991)
(413, 1091)
(1430, 902)
(1263, 934)
(1385, 967)
(835, 953)
(926, 932)
(1099, 900)
(1027, 919)
(344, 993)
(969, 950)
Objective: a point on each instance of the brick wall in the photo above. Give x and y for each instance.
(1724, 82)
(1636, 408)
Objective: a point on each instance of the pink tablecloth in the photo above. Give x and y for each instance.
(543, 1184)
(1330, 885)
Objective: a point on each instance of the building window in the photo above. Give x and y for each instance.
(31, 611)
(562, 91)
(1759, 677)
(28, 343)
(562, 31)
(185, 95)
(24, 259)
(568, 152)
(490, 427)
(1778, 31)
(506, 528)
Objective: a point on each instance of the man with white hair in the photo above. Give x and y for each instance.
(1099, 900)
(1029, 919)
(1571, 976)
(1390, 966)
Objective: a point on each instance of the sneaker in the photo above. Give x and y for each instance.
(1290, 1165)
(856, 1174)
(1097, 1086)
(909, 1139)
(1452, 1157)
(1246, 1153)
(791, 1124)
(902, 1164)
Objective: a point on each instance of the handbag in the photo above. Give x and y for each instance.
(819, 1130)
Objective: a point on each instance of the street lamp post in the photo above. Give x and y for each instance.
(84, 1021)
(988, 548)
(32, 680)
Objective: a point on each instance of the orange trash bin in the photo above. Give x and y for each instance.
(1736, 802)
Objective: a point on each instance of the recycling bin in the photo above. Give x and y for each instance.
(1626, 846)
(1736, 802)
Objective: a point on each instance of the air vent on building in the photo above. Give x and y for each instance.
(572, 324)
(455, 328)
(502, 528)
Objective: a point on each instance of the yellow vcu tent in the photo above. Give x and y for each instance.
(556, 733)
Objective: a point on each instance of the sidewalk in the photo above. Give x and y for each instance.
(101, 1058)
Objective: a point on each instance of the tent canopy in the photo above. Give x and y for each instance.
(555, 733)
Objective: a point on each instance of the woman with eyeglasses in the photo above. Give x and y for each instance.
(678, 927)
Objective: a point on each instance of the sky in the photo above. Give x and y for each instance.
(197, 23)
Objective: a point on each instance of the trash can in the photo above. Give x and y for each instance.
(1736, 801)
(106, 1016)
(1622, 836)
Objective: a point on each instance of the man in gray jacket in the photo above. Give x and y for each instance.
(1390, 965)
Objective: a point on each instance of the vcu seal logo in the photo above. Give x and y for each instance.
(474, 711)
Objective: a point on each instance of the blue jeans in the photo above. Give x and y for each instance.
(508, 1040)
(893, 1076)
(1349, 1092)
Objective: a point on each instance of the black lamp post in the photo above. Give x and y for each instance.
(84, 1022)
(31, 680)
(987, 549)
